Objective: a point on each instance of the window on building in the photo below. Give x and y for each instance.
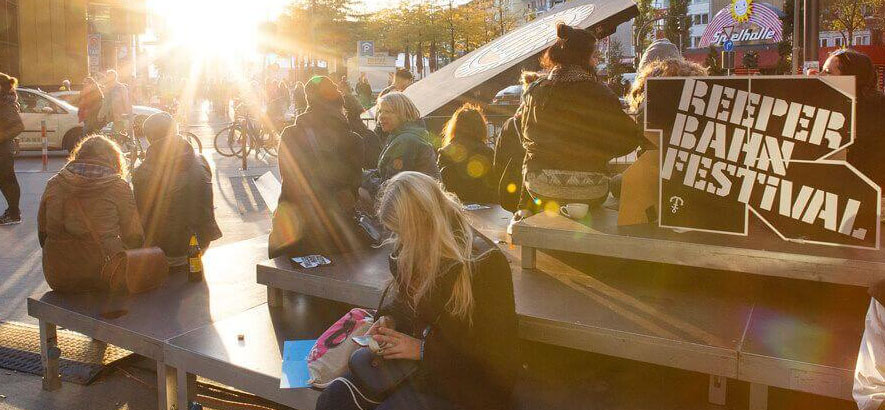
(695, 19)
(705, 19)
(823, 42)
(838, 41)
(858, 40)
(9, 44)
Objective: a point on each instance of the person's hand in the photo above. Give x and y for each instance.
(383, 321)
(396, 345)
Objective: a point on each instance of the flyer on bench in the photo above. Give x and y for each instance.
(294, 374)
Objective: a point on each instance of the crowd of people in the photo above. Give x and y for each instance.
(453, 309)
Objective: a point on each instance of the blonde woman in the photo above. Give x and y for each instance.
(453, 311)
(87, 213)
(408, 147)
(674, 67)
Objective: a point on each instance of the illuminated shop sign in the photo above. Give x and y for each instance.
(744, 22)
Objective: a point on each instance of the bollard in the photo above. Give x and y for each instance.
(45, 145)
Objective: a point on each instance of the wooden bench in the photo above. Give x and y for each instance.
(143, 323)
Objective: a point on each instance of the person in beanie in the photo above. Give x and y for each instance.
(573, 125)
(659, 50)
(10, 126)
(173, 192)
(321, 169)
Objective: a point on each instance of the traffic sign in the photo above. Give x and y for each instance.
(729, 45)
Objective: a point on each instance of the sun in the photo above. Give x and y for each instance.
(216, 27)
(741, 10)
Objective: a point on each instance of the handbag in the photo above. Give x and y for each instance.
(329, 356)
(131, 270)
(379, 377)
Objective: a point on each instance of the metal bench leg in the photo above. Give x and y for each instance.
(274, 296)
(717, 392)
(187, 392)
(528, 257)
(758, 396)
(49, 355)
(167, 387)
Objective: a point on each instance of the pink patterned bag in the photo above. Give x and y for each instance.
(328, 358)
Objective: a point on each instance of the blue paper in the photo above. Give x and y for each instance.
(295, 350)
(294, 375)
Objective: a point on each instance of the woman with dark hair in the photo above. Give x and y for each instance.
(465, 159)
(868, 151)
(10, 126)
(572, 126)
(91, 98)
(87, 214)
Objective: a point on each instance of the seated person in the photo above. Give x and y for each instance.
(465, 160)
(321, 168)
(453, 311)
(87, 214)
(407, 147)
(573, 125)
(509, 155)
(869, 371)
(173, 191)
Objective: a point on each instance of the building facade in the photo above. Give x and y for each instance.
(9, 42)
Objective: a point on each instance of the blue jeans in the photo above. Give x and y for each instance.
(338, 397)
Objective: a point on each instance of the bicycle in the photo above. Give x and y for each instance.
(244, 136)
(136, 152)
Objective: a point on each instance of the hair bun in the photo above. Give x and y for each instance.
(563, 30)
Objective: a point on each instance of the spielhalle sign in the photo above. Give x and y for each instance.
(763, 145)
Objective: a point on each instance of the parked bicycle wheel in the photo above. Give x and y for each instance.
(192, 139)
(270, 142)
(223, 141)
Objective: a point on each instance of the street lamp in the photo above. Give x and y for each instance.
(637, 39)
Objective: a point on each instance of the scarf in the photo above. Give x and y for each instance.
(569, 74)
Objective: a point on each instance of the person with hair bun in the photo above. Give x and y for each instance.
(87, 213)
(10, 126)
(572, 126)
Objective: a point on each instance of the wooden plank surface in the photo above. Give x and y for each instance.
(142, 322)
(254, 363)
(761, 252)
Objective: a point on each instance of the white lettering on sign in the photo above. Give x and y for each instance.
(747, 34)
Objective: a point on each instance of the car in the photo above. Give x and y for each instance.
(63, 127)
(141, 112)
(508, 96)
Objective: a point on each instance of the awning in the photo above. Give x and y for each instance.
(464, 74)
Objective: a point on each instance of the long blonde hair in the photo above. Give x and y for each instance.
(429, 227)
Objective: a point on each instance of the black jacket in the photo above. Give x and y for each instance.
(868, 151)
(466, 170)
(575, 126)
(509, 157)
(10, 121)
(473, 366)
(321, 169)
(173, 193)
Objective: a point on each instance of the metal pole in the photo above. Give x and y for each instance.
(812, 37)
(45, 145)
(797, 34)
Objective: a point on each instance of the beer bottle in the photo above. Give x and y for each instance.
(194, 261)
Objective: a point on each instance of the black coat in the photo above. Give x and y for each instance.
(10, 121)
(473, 366)
(574, 126)
(466, 170)
(509, 157)
(173, 193)
(321, 169)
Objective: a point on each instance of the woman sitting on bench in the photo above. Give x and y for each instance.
(453, 311)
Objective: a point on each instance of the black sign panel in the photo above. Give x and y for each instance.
(730, 146)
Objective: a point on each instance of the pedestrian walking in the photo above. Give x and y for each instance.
(173, 192)
(321, 169)
(116, 106)
(89, 106)
(364, 91)
(10, 126)
(86, 215)
(573, 125)
(402, 79)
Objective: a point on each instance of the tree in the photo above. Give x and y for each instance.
(712, 62)
(614, 54)
(642, 25)
(750, 59)
(676, 24)
(847, 16)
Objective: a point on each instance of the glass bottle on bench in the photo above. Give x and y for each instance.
(194, 261)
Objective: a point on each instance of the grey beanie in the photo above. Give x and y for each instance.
(659, 50)
(159, 126)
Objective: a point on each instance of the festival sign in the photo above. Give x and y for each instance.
(744, 22)
(731, 146)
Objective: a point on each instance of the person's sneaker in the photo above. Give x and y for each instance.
(8, 219)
